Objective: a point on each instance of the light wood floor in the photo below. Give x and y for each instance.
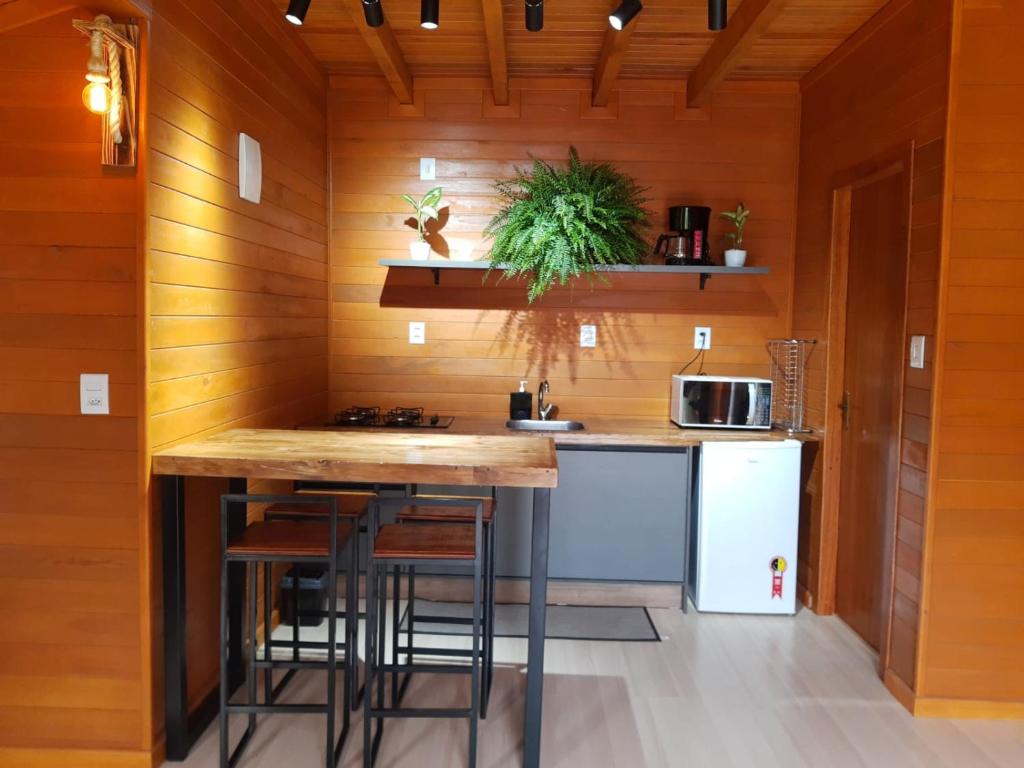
(719, 691)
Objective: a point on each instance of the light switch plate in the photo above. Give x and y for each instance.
(250, 168)
(588, 336)
(417, 333)
(428, 169)
(94, 393)
(917, 351)
(697, 337)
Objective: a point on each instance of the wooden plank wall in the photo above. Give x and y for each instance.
(885, 88)
(973, 614)
(237, 290)
(71, 662)
(480, 342)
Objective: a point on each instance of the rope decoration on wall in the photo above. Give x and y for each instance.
(120, 54)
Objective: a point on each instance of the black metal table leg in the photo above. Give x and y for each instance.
(538, 615)
(183, 728)
(172, 510)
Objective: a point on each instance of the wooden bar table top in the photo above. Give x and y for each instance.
(365, 457)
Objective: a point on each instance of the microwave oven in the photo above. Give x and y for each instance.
(721, 402)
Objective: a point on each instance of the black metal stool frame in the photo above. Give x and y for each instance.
(490, 581)
(252, 708)
(376, 610)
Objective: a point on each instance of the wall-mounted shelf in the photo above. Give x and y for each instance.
(705, 271)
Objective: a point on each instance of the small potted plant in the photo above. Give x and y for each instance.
(737, 255)
(425, 209)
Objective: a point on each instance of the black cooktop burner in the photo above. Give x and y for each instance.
(401, 417)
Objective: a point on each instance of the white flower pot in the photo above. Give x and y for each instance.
(419, 250)
(735, 257)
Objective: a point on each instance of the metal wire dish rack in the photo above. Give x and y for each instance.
(789, 382)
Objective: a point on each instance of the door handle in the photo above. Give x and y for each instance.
(844, 406)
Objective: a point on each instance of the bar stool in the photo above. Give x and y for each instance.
(352, 509)
(420, 513)
(316, 541)
(396, 545)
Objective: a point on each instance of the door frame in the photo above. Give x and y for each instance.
(843, 184)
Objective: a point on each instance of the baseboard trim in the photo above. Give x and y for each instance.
(78, 758)
(951, 709)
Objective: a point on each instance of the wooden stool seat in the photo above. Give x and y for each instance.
(351, 505)
(459, 514)
(280, 538)
(431, 541)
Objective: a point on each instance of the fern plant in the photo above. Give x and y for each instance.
(557, 223)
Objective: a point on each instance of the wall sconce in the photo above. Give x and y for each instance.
(112, 87)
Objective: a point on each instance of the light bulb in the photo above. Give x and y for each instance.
(96, 97)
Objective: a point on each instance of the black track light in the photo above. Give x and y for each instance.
(296, 12)
(430, 13)
(534, 15)
(373, 13)
(718, 14)
(625, 13)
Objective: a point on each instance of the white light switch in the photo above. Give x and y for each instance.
(250, 168)
(588, 336)
(417, 333)
(94, 391)
(917, 351)
(701, 334)
(428, 169)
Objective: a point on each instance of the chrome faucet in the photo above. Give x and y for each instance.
(543, 411)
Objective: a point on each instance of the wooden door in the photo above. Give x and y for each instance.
(872, 397)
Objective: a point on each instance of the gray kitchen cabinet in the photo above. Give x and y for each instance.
(616, 515)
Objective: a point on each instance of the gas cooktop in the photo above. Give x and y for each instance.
(405, 418)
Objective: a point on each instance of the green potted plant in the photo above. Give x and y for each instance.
(558, 223)
(737, 255)
(425, 209)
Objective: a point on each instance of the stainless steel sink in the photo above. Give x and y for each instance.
(536, 425)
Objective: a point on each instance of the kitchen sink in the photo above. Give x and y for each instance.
(537, 425)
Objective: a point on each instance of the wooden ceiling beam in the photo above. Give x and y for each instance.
(494, 28)
(609, 61)
(18, 13)
(382, 43)
(731, 45)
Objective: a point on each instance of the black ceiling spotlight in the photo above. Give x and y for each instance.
(625, 13)
(430, 12)
(718, 13)
(373, 13)
(296, 12)
(534, 15)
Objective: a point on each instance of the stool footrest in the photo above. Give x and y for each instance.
(426, 651)
(277, 709)
(439, 669)
(425, 713)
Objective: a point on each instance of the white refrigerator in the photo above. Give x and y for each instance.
(744, 537)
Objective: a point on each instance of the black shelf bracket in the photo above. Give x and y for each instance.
(437, 275)
(703, 279)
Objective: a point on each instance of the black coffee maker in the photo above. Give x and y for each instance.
(687, 241)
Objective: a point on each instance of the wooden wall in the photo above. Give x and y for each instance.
(884, 89)
(973, 613)
(237, 291)
(71, 661)
(481, 341)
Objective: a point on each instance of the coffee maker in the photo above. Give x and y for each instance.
(687, 241)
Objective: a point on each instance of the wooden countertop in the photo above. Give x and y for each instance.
(366, 456)
(599, 431)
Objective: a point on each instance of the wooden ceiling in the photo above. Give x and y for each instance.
(669, 38)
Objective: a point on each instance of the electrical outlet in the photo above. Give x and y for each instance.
(917, 351)
(701, 337)
(428, 169)
(94, 393)
(588, 336)
(417, 333)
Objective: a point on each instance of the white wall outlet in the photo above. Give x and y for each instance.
(917, 351)
(94, 393)
(701, 337)
(417, 333)
(250, 168)
(428, 169)
(588, 336)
